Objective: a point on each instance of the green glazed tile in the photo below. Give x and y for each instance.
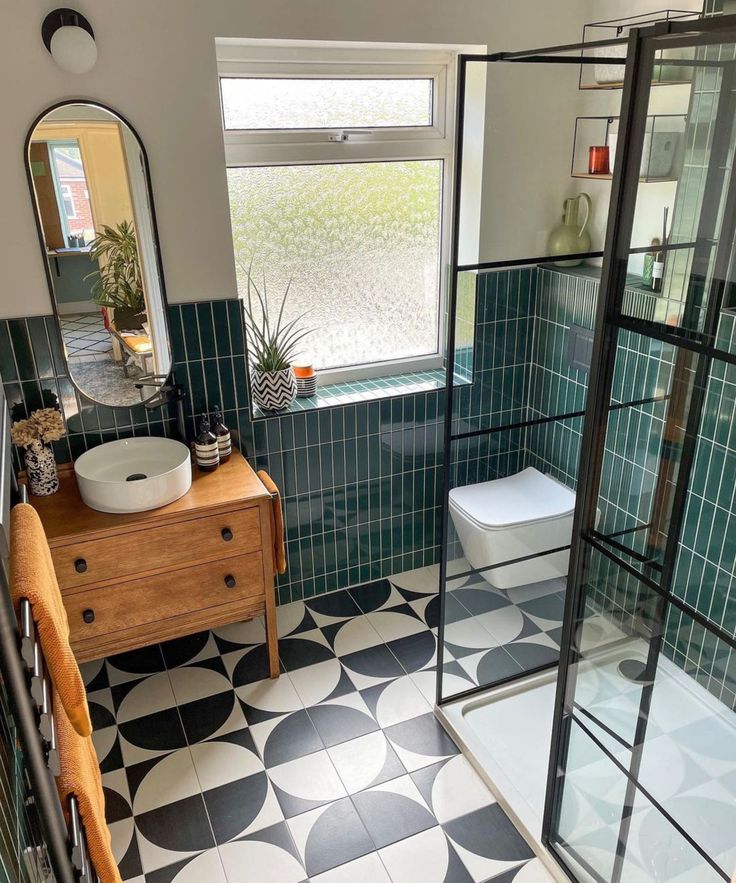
(192, 345)
(7, 363)
(41, 347)
(178, 348)
(21, 344)
(206, 330)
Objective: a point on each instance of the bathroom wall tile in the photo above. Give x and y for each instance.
(8, 370)
(362, 482)
(704, 567)
(22, 351)
(43, 363)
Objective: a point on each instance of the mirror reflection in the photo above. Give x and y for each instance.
(88, 174)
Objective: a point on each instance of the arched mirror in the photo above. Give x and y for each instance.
(92, 196)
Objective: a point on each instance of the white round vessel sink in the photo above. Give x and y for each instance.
(134, 474)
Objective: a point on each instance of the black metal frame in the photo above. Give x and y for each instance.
(702, 344)
(642, 49)
(549, 54)
(42, 239)
(554, 55)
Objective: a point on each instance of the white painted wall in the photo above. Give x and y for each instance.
(531, 111)
(156, 66)
(651, 197)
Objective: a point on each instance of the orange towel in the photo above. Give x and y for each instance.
(80, 776)
(32, 576)
(277, 521)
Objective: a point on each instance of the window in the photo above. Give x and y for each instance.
(75, 211)
(68, 201)
(338, 169)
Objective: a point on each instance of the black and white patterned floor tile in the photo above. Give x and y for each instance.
(84, 334)
(337, 772)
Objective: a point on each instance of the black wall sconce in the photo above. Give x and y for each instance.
(70, 39)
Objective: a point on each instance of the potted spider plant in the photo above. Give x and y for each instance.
(271, 348)
(118, 281)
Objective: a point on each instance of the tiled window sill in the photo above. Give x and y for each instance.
(337, 394)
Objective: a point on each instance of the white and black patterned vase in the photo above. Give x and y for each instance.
(43, 478)
(273, 390)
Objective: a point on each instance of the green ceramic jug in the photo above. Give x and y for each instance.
(571, 237)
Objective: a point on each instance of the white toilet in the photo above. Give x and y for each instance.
(511, 517)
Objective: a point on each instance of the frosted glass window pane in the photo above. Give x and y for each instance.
(361, 242)
(262, 103)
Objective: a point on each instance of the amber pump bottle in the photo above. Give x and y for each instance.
(206, 451)
(222, 433)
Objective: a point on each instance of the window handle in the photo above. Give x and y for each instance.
(341, 135)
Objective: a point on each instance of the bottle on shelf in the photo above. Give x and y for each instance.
(222, 434)
(648, 271)
(658, 265)
(206, 452)
(657, 270)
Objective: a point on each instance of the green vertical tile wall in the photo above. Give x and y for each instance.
(361, 482)
(704, 572)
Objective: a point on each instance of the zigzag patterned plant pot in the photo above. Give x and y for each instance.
(273, 390)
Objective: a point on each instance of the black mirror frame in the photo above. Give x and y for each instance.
(42, 240)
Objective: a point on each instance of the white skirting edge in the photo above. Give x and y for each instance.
(452, 718)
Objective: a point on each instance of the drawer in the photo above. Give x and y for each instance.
(156, 599)
(168, 545)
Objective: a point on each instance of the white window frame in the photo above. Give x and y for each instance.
(65, 190)
(277, 147)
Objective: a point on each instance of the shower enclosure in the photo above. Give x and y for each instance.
(639, 637)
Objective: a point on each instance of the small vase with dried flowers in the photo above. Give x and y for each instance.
(35, 435)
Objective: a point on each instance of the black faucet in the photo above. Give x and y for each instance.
(168, 392)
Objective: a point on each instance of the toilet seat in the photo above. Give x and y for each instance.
(527, 498)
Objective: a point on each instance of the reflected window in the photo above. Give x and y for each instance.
(73, 203)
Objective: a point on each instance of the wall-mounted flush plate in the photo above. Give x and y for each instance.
(580, 347)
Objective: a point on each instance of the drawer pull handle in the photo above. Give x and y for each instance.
(226, 534)
(88, 616)
(80, 565)
(230, 581)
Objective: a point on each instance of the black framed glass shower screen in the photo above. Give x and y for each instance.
(495, 391)
(513, 400)
(643, 704)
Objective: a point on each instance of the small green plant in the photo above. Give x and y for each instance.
(271, 347)
(118, 282)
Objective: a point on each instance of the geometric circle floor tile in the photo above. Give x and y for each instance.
(337, 772)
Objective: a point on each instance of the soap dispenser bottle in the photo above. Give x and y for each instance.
(206, 451)
(222, 433)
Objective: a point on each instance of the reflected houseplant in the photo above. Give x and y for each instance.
(34, 435)
(118, 281)
(271, 348)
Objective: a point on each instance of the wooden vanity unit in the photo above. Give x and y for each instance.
(130, 580)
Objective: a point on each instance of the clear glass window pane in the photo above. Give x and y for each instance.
(300, 103)
(75, 209)
(361, 244)
(68, 200)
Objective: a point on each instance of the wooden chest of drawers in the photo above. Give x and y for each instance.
(130, 580)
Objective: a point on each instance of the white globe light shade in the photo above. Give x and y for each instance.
(73, 49)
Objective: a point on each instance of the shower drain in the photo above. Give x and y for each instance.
(634, 670)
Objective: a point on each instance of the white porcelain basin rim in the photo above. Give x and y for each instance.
(115, 461)
(134, 475)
